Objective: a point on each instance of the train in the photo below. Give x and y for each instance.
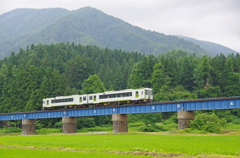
(122, 97)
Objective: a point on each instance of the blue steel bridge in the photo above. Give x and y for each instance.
(170, 106)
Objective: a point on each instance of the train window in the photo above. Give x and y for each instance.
(90, 97)
(94, 98)
(146, 91)
(80, 99)
(84, 98)
(103, 96)
(142, 92)
(118, 95)
(62, 100)
(127, 94)
(112, 96)
(151, 92)
(47, 102)
(137, 95)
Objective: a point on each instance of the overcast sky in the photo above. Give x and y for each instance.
(216, 21)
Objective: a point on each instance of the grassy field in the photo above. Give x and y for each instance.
(120, 145)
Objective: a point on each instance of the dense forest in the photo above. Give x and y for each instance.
(41, 71)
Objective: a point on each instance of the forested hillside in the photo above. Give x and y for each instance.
(212, 48)
(86, 25)
(59, 69)
(42, 71)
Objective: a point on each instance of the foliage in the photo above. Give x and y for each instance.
(10, 130)
(208, 123)
(85, 122)
(178, 93)
(96, 129)
(93, 85)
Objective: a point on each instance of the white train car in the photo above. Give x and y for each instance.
(99, 99)
(60, 101)
(127, 95)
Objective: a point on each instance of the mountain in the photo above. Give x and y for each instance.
(22, 27)
(210, 47)
(16, 25)
(22, 21)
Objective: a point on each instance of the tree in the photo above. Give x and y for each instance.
(186, 71)
(142, 73)
(53, 84)
(169, 94)
(93, 84)
(77, 70)
(232, 80)
(158, 78)
(202, 74)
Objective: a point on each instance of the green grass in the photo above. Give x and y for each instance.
(178, 144)
(33, 153)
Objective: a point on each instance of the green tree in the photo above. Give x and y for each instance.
(142, 73)
(202, 74)
(232, 80)
(93, 84)
(158, 78)
(169, 94)
(186, 71)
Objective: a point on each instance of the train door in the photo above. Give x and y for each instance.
(80, 99)
(147, 94)
(151, 94)
(84, 99)
(90, 99)
(137, 94)
(94, 98)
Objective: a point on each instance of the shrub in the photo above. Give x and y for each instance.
(96, 128)
(10, 130)
(38, 125)
(58, 124)
(157, 128)
(236, 121)
(208, 123)
(148, 129)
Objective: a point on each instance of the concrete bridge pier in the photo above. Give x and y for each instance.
(120, 123)
(28, 127)
(184, 117)
(69, 124)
